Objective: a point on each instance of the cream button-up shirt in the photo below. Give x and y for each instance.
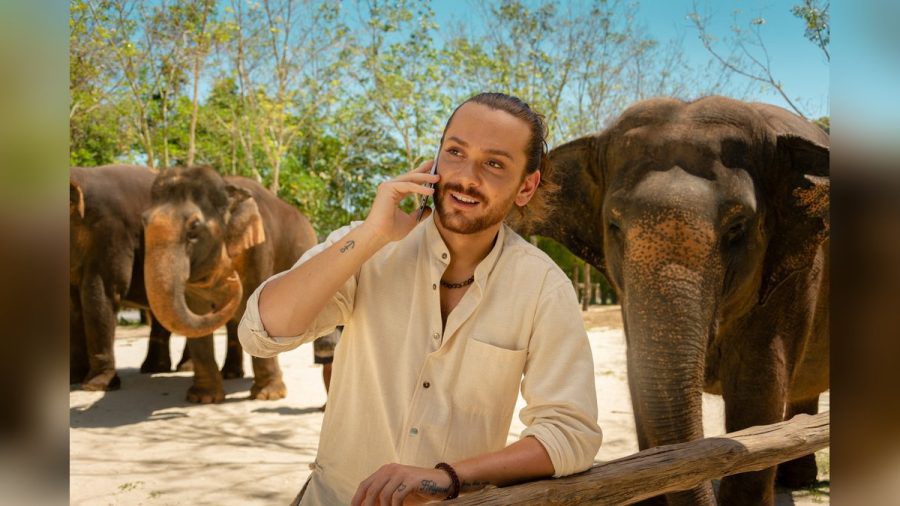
(407, 389)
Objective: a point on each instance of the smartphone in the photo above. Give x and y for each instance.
(429, 185)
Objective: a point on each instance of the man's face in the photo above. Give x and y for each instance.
(482, 166)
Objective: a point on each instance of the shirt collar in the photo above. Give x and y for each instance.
(439, 252)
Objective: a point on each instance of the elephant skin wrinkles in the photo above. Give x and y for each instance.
(211, 240)
(710, 219)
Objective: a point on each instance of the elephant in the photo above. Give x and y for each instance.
(106, 250)
(710, 219)
(210, 241)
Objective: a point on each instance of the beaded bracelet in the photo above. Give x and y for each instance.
(454, 479)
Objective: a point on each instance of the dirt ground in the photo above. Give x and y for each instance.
(144, 444)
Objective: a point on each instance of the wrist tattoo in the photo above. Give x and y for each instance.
(430, 487)
(350, 244)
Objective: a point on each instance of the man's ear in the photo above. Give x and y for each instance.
(245, 227)
(76, 200)
(528, 187)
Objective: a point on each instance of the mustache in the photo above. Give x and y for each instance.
(458, 188)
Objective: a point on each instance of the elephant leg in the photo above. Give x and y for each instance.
(267, 380)
(800, 472)
(185, 364)
(234, 356)
(78, 355)
(157, 359)
(755, 393)
(207, 387)
(100, 330)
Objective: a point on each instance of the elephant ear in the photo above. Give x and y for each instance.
(244, 228)
(76, 200)
(575, 220)
(799, 183)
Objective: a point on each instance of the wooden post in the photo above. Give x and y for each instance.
(670, 468)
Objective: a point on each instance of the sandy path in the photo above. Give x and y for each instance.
(144, 444)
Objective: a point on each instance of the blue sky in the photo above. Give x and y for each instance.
(796, 62)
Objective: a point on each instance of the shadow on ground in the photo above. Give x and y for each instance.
(146, 397)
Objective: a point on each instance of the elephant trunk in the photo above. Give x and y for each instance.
(669, 317)
(167, 270)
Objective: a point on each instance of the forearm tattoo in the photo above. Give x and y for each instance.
(432, 488)
(350, 244)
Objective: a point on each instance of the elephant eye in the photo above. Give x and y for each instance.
(735, 233)
(614, 229)
(193, 229)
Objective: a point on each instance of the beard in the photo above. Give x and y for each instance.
(459, 222)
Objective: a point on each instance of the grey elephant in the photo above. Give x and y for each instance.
(209, 242)
(710, 218)
(106, 258)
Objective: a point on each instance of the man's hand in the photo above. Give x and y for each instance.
(385, 218)
(395, 484)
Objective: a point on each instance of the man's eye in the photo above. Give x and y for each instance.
(495, 164)
(453, 151)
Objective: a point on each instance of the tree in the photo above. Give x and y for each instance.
(97, 134)
(201, 33)
(282, 51)
(398, 70)
(818, 30)
(745, 53)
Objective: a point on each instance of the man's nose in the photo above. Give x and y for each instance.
(468, 174)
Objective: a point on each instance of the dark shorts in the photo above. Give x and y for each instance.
(323, 347)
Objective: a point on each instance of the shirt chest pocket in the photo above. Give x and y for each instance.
(489, 378)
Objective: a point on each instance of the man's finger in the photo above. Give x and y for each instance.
(375, 489)
(384, 497)
(417, 177)
(425, 166)
(404, 188)
(361, 490)
(400, 494)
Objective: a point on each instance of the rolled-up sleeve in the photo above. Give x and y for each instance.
(558, 385)
(257, 341)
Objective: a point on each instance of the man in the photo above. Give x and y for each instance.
(323, 353)
(442, 318)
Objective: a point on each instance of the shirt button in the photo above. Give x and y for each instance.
(436, 335)
(413, 431)
(434, 286)
(426, 384)
(444, 256)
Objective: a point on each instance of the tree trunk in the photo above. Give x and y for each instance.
(165, 129)
(575, 270)
(194, 110)
(586, 289)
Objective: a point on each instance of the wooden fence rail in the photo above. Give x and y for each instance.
(670, 468)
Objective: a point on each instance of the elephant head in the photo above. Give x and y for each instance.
(195, 232)
(697, 213)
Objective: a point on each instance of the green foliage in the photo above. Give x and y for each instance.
(321, 100)
(814, 14)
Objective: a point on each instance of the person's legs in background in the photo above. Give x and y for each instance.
(323, 348)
